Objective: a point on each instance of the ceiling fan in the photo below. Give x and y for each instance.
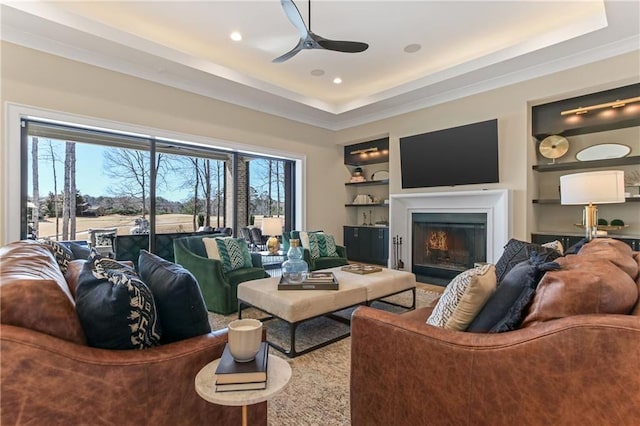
(309, 40)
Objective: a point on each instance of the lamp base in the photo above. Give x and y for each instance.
(273, 245)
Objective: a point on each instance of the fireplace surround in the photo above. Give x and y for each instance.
(494, 204)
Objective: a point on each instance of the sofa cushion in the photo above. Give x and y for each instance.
(584, 285)
(636, 309)
(116, 308)
(79, 251)
(181, 308)
(516, 251)
(507, 306)
(616, 251)
(62, 254)
(463, 298)
(321, 245)
(34, 294)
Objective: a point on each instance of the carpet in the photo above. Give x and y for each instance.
(318, 393)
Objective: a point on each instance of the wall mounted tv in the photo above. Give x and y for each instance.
(458, 156)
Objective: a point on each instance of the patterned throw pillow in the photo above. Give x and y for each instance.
(115, 307)
(234, 254)
(463, 298)
(517, 251)
(322, 245)
(62, 254)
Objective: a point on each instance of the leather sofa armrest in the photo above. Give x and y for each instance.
(44, 377)
(535, 374)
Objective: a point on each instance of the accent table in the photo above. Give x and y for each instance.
(278, 375)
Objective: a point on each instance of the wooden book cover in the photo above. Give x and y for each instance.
(231, 371)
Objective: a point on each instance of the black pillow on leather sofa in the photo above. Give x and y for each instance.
(516, 251)
(181, 308)
(505, 309)
(116, 308)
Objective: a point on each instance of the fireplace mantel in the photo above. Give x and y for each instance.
(494, 202)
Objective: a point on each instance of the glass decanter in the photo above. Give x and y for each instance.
(294, 269)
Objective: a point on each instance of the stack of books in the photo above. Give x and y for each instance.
(313, 281)
(234, 376)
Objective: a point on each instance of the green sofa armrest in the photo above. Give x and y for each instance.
(256, 260)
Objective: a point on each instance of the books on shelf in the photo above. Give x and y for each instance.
(233, 375)
(313, 281)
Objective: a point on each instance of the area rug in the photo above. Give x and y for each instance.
(318, 393)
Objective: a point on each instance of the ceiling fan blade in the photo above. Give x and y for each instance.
(292, 12)
(342, 46)
(290, 54)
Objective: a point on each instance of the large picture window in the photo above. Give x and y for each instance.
(83, 183)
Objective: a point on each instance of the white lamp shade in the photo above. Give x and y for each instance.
(604, 187)
(272, 226)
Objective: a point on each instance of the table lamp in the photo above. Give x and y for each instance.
(590, 188)
(272, 226)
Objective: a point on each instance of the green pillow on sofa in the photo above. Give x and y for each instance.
(319, 244)
(232, 252)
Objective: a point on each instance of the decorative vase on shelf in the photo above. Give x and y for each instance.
(294, 269)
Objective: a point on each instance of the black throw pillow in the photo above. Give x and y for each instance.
(504, 311)
(115, 307)
(517, 251)
(79, 252)
(574, 249)
(181, 307)
(62, 254)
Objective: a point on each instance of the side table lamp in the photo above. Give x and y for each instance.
(272, 226)
(590, 188)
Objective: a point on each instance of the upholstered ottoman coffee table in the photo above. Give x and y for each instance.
(296, 306)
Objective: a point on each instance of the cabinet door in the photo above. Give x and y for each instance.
(379, 245)
(352, 242)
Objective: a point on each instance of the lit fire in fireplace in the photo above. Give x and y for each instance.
(437, 241)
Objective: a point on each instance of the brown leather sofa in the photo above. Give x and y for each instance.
(50, 376)
(572, 370)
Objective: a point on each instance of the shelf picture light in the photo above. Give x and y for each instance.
(364, 151)
(615, 104)
(602, 187)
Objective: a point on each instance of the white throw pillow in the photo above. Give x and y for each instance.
(464, 297)
(211, 247)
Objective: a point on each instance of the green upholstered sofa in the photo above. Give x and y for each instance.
(127, 247)
(219, 288)
(320, 263)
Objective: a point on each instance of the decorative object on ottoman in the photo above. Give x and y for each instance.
(294, 269)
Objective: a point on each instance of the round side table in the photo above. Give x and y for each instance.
(278, 375)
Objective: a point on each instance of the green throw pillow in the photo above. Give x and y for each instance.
(322, 245)
(234, 254)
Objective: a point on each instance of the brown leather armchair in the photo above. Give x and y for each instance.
(576, 370)
(50, 376)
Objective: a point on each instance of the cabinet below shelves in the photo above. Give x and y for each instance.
(369, 244)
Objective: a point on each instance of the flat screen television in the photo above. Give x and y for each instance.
(458, 156)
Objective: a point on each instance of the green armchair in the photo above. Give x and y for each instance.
(219, 288)
(321, 262)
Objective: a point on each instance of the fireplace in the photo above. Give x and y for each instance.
(492, 204)
(445, 244)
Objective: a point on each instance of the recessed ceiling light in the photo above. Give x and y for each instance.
(412, 48)
(235, 36)
(317, 73)
(337, 80)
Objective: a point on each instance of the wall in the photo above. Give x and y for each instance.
(45, 81)
(49, 82)
(511, 106)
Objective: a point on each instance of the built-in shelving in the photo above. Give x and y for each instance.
(577, 165)
(367, 205)
(369, 183)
